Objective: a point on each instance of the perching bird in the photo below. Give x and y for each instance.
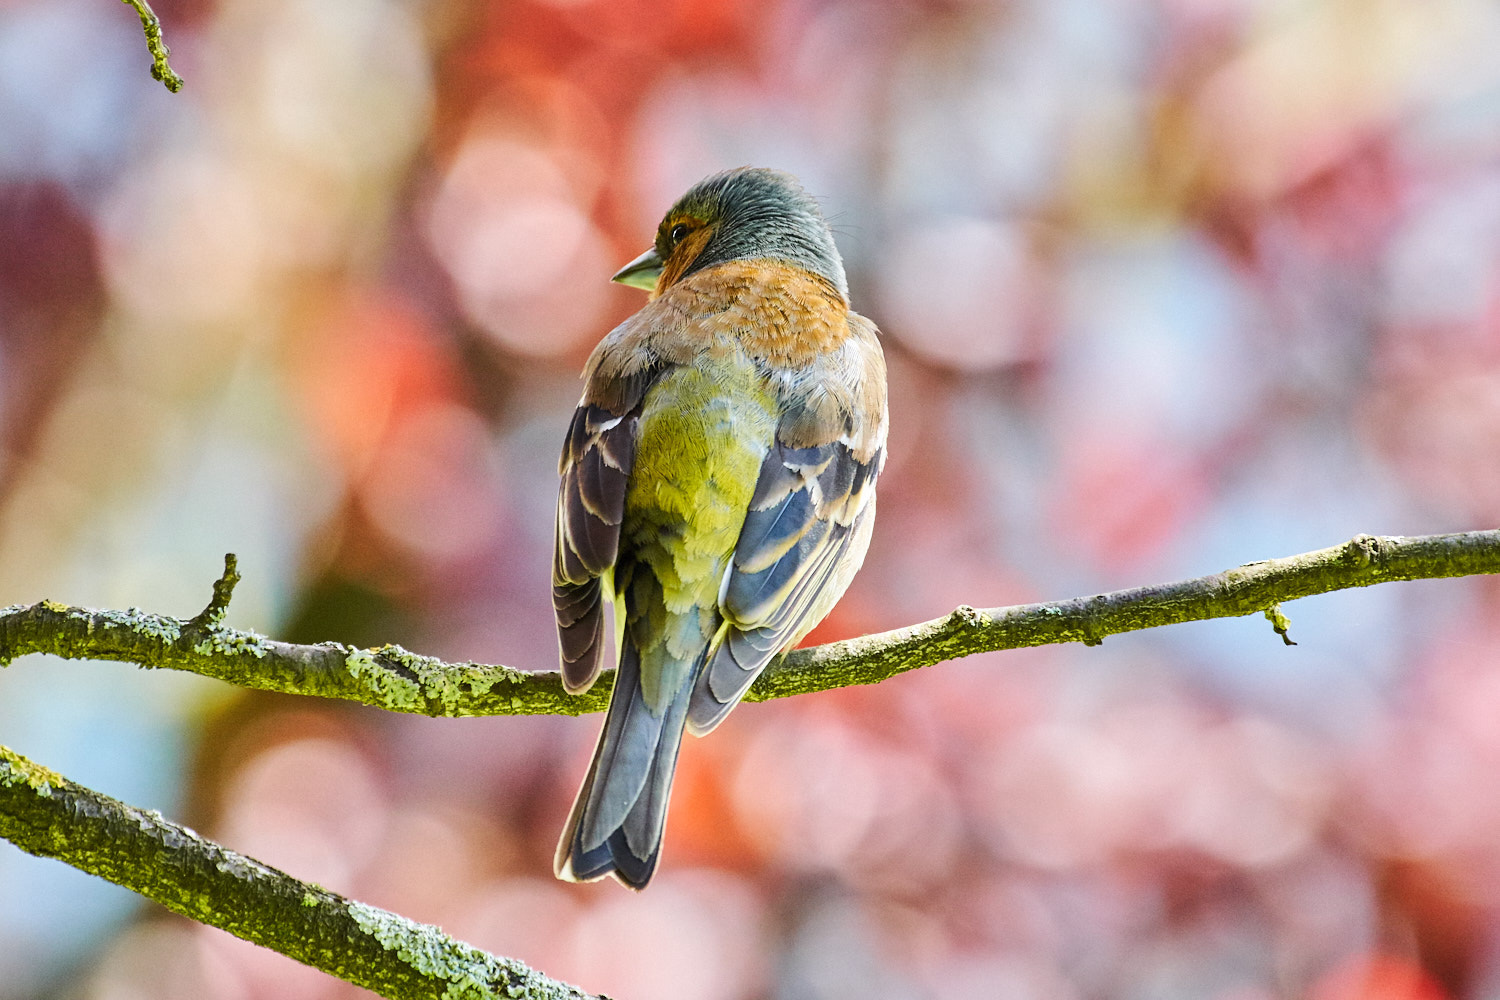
(718, 485)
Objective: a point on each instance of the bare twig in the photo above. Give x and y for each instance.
(45, 814)
(212, 617)
(160, 69)
(1280, 623)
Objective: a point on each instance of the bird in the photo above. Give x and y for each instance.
(717, 489)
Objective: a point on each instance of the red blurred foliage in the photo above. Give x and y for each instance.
(362, 362)
(1045, 823)
(51, 301)
(1377, 977)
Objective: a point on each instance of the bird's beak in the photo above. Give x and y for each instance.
(641, 272)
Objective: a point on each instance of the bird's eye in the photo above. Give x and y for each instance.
(679, 232)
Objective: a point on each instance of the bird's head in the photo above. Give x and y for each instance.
(751, 213)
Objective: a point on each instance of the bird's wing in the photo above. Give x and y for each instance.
(597, 458)
(804, 537)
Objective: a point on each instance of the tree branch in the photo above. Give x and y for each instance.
(1254, 588)
(157, 45)
(392, 678)
(45, 814)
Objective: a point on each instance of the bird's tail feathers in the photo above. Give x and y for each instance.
(617, 821)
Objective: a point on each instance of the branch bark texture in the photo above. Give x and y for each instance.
(397, 680)
(45, 814)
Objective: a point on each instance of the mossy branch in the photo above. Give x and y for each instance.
(392, 678)
(157, 45)
(45, 814)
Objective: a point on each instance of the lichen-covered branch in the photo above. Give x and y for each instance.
(388, 677)
(394, 679)
(157, 45)
(1254, 588)
(45, 814)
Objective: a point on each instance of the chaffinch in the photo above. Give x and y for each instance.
(718, 486)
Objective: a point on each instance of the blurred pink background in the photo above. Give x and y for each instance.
(1166, 286)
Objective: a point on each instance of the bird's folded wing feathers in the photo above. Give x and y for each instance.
(803, 537)
(596, 462)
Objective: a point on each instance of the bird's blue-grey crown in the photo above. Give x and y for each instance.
(763, 214)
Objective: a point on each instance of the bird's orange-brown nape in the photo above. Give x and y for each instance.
(782, 313)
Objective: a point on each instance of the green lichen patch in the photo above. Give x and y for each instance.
(461, 684)
(16, 770)
(470, 974)
(400, 680)
(232, 642)
(421, 946)
(158, 628)
(447, 686)
(389, 689)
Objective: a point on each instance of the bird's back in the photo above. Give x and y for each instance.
(705, 429)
